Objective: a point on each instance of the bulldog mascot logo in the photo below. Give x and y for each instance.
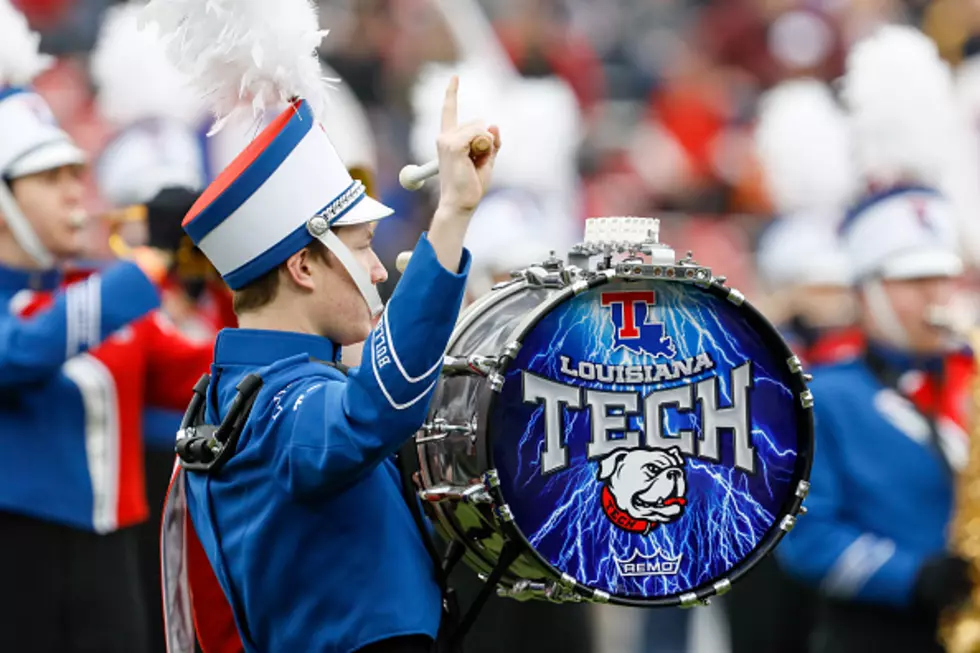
(643, 488)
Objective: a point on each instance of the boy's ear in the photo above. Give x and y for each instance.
(298, 269)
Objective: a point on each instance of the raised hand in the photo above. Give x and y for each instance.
(465, 163)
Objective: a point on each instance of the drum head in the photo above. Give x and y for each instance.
(650, 438)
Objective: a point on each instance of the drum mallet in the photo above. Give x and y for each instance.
(402, 261)
(413, 177)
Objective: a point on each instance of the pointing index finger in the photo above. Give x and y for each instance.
(449, 106)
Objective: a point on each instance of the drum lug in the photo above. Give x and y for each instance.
(571, 274)
(806, 398)
(480, 365)
(537, 275)
(440, 429)
(795, 366)
(787, 523)
(691, 600)
(736, 297)
(491, 479)
(722, 586)
(503, 513)
(802, 489)
(496, 381)
(466, 494)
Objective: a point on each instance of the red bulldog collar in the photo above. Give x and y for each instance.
(621, 518)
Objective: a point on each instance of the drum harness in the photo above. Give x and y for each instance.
(205, 448)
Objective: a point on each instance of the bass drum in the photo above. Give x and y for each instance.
(637, 435)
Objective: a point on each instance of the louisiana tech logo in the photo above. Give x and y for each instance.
(634, 324)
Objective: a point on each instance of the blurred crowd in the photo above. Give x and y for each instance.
(668, 89)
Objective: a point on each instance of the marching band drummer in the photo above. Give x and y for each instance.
(889, 423)
(77, 365)
(305, 527)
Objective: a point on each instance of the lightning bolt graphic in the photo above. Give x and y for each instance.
(729, 511)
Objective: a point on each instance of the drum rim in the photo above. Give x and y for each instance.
(791, 506)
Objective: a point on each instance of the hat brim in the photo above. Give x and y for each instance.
(366, 210)
(922, 264)
(47, 157)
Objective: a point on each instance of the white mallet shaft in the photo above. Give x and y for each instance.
(413, 177)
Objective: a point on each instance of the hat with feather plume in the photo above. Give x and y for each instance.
(289, 186)
(904, 127)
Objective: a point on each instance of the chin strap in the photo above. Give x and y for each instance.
(320, 230)
(21, 229)
(883, 314)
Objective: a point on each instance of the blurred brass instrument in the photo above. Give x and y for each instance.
(116, 220)
(959, 628)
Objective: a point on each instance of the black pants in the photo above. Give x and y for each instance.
(510, 626)
(69, 591)
(769, 612)
(860, 628)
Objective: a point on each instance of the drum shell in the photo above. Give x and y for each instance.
(462, 459)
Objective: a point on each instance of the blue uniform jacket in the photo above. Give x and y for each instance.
(306, 527)
(56, 440)
(880, 498)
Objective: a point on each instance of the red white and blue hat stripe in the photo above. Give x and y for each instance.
(254, 215)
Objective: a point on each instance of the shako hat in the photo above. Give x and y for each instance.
(289, 185)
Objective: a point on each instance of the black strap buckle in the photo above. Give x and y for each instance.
(203, 447)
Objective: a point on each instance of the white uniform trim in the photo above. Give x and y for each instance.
(100, 402)
(381, 384)
(20, 301)
(398, 363)
(307, 180)
(859, 562)
(83, 306)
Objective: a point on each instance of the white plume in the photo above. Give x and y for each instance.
(344, 119)
(962, 184)
(135, 79)
(802, 143)
(245, 54)
(902, 112)
(348, 125)
(20, 59)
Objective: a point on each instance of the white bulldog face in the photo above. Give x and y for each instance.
(646, 483)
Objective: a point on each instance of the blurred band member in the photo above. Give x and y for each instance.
(890, 423)
(80, 356)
